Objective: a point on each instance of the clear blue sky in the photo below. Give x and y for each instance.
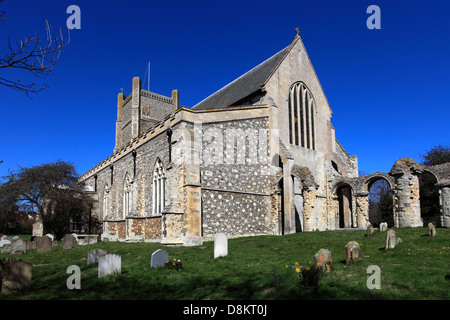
(389, 89)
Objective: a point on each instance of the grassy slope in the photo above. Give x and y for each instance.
(416, 269)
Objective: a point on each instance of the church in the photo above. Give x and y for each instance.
(257, 157)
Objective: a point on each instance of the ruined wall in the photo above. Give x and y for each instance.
(406, 193)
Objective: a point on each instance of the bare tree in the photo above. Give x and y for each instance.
(33, 54)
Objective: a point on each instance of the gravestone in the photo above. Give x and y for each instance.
(4, 242)
(38, 229)
(69, 242)
(352, 251)
(391, 240)
(323, 260)
(31, 244)
(16, 275)
(431, 230)
(383, 226)
(6, 248)
(109, 264)
(43, 244)
(370, 230)
(93, 256)
(159, 258)
(18, 246)
(220, 245)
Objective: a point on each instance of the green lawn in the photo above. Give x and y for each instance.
(418, 268)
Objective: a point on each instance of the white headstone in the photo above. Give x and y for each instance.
(109, 264)
(383, 226)
(38, 229)
(220, 245)
(159, 258)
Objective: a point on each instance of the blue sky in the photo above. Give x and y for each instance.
(389, 89)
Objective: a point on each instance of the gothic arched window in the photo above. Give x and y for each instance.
(301, 116)
(159, 185)
(126, 196)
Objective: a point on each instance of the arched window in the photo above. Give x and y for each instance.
(105, 201)
(126, 196)
(159, 185)
(301, 116)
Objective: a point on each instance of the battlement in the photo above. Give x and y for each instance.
(141, 110)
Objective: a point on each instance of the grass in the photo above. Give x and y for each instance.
(418, 268)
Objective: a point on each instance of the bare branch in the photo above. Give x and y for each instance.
(34, 55)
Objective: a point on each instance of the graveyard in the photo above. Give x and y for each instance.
(251, 268)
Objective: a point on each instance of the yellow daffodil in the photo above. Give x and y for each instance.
(297, 270)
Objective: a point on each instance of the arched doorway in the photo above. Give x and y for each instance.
(429, 199)
(345, 199)
(381, 208)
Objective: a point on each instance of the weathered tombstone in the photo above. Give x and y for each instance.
(352, 251)
(370, 230)
(323, 260)
(4, 241)
(383, 226)
(159, 258)
(109, 264)
(431, 230)
(69, 242)
(220, 245)
(50, 236)
(391, 240)
(38, 229)
(16, 275)
(93, 256)
(31, 244)
(18, 246)
(6, 248)
(43, 244)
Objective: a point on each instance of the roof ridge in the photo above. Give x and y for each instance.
(288, 49)
(257, 67)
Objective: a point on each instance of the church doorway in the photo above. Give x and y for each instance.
(429, 199)
(344, 194)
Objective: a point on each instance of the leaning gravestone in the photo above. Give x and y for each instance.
(109, 264)
(69, 241)
(94, 255)
(352, 251)
(159, 258)
(370, 230)
(18, 246)
(220, 245)
(44, 244)
(391, 240)
(16, 275)
(431, 230)
(323, 260)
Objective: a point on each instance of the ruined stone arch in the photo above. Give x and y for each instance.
(372, 178)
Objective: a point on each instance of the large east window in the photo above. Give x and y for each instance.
(301, 116)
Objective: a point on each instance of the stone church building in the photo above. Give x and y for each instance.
(257, 157)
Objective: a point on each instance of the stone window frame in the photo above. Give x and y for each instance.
(302, 106)
(159, 186)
